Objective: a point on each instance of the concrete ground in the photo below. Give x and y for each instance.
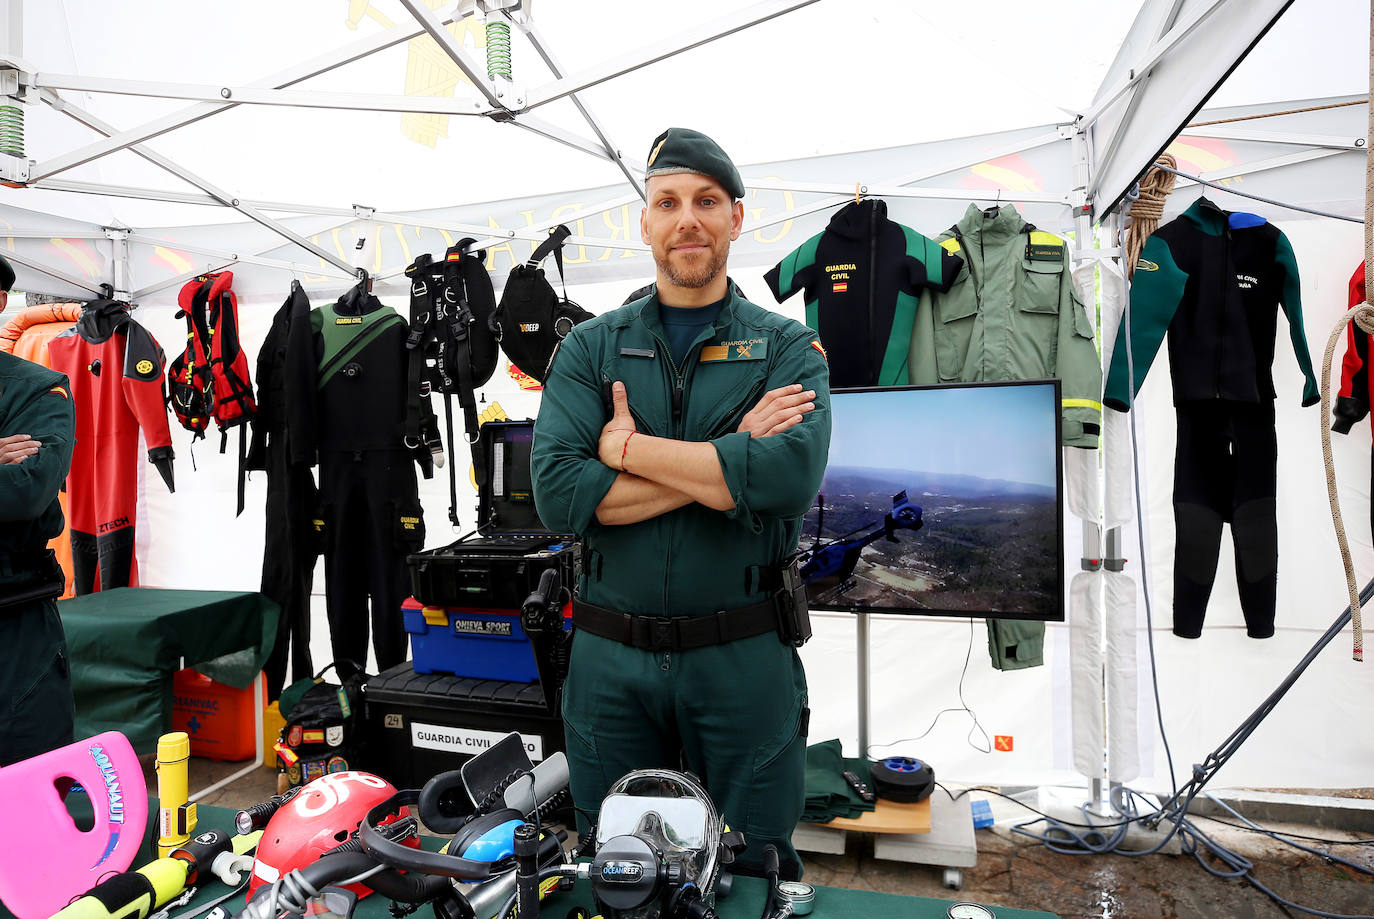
(1016, 871)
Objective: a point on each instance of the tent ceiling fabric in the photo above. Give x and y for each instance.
(1174, 57)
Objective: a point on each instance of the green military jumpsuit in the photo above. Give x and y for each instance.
(737, 712)
(35, 685)
(1011, 314)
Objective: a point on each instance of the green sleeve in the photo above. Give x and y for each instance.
(779, 476)
(795, 271)
(43, 410)
(569, 480)
(1079, 367)
(1156, 290)
(1291, 294)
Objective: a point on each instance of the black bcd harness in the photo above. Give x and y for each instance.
(452, 349)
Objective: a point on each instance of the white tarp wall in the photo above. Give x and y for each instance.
(916, 662)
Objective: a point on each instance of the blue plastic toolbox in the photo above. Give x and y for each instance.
(484, 644)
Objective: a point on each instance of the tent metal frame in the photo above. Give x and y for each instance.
(507, 101)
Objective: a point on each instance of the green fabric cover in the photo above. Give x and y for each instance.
(126, 643)
(828, 795)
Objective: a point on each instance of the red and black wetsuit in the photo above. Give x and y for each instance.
(116, 371)
(1357, 383)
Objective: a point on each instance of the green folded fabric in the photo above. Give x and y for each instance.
(828, 795)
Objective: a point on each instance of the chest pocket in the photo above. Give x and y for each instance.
(1040, 286)
(647, 386)
(723, 389)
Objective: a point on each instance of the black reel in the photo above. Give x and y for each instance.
(902, 779)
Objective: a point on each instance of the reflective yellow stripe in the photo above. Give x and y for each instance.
(950, 245)
(1082, 403)
(1041, 238)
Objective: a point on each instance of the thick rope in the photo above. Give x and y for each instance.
(1363, 317)
(1147, 209)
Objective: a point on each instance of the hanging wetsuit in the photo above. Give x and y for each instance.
(1357, 383)
(347, 404)
(863, 277)
(291, 545)
(116, 371)
(1214, 281)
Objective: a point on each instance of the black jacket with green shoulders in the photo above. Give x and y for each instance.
(863, 277)
(1212, 280)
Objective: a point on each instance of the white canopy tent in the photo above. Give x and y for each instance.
(823, 99)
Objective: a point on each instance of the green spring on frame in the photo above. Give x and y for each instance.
(12, 130)
(498, 49)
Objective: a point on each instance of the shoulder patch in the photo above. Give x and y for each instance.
(950, 245)
(61, 391)
(815, 343)
(1041, 238)
(1144, 264)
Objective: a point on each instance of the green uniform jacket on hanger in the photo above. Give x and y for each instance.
(1012, 314)
(739, 708)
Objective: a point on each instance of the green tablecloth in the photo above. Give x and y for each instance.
(126, 643)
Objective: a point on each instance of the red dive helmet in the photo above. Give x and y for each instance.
(318, 818)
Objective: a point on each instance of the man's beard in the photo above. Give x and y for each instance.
(697, 275)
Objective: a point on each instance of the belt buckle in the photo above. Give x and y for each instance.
(663, 634)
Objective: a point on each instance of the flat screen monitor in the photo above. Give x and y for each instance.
(941, 500)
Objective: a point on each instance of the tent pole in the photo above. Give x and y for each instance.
(119, 259)
(1100, 803)
(684, 40)
(537, 39)
(52, 272)
(193, 113)
(229, 200)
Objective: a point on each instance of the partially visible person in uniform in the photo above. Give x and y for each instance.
(683, 436)
(37, 432)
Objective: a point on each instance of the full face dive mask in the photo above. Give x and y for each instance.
(659, 848)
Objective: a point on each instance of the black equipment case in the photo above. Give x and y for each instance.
(501, 566)
(420, 725)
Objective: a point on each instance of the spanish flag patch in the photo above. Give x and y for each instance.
(61, 391)
(817, 345)
(839, 287)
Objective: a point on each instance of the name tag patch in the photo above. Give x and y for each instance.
(750, 349)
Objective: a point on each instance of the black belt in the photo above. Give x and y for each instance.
(12, 597)
(677, 633)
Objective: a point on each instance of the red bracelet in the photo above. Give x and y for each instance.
(624, 448)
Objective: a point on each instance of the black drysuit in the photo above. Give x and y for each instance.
(347, 404)
(292, 544)
(1213, 281)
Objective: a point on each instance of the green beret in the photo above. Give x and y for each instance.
(6, 274)
(679, 150)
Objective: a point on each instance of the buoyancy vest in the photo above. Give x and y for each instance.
(210, 378)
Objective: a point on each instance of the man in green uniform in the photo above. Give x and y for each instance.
(37, 431)
(682, 437)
